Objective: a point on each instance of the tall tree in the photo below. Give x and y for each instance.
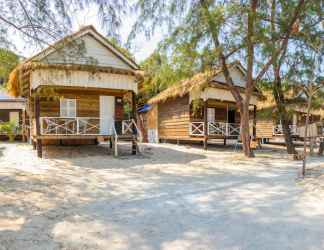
(8, 60)
(298, 27)
(235, 28)
(42, 22)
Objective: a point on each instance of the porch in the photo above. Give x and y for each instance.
(219, 119)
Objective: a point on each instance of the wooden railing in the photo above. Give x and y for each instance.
(278, 130)
(70, 125)
(196, 128)
(81, 126)
(214, 128)
(223, 128)
(128, 126)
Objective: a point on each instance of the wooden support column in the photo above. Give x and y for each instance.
(37, 124)
(23, 129)
(205, 125)
(134, 146)
(254, 121)
(321, 147)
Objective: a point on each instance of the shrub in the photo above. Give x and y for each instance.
(10, 129)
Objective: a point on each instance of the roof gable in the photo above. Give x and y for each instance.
(236, 72)
(86, 46)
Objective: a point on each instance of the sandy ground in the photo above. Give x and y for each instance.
(171, 197)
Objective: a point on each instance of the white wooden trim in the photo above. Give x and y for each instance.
(56, 77)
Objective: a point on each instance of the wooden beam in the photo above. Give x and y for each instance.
(205, 124)
(37, 124)
(254, 121)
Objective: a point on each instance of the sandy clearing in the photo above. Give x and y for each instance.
(171, 197)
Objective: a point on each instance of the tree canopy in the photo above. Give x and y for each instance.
(8, 60)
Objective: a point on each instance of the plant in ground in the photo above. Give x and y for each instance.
(10, 129)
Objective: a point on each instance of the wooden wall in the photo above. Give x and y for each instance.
(88, 103)
(264, 129)
(173, 118)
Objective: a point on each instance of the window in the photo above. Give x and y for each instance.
(68, 108)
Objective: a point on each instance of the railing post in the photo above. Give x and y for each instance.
(226, 129)
(205, 125)
(77, 125)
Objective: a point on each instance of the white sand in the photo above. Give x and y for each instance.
(171, 197)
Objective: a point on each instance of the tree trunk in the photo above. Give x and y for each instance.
(321, 148)
(280, 102)
(245, 132)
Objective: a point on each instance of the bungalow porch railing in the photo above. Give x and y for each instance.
(81, 126)
(278, 130)
(214, 128)
(128, 126)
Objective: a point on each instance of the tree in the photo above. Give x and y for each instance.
(40, 23)
(298, 49)
(8, 60)
(310, 91)
(234, 28)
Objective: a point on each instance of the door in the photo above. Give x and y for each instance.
(231, 116)
(107, 114)
(211, 115)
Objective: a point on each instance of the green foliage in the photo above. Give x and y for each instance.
(8, 61)
(42, 22)
(10, 129)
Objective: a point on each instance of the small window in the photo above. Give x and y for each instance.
(68, 108)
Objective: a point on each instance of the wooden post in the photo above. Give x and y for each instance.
(23, 126)
(37, 124)
(134, 147)
(254, 121)
(321, 147)
(205, 125)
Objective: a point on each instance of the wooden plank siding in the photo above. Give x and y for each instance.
(264, 129)
(174, 118)
(88, 104)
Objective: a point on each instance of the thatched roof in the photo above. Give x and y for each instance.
(196, 83)
(269, 104)
(18, 83)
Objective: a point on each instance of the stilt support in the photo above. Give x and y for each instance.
(39, 148)
(134, 146)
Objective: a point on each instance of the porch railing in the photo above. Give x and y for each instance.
(70, 125)
(196, 128)
(81, 126)
(214, 128)
(128, 126)
(278, 130)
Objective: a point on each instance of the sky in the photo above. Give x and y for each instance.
(141, 46)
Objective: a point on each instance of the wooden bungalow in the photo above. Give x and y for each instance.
(199, 109)
(76, 91)
(11, 110)
(269, 125)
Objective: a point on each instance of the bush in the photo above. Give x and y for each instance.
(10, 129)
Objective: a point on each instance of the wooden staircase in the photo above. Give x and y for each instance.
(127, 136)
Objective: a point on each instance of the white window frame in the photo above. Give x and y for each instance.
(68, 107)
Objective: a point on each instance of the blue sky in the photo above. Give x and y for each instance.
(142, 47)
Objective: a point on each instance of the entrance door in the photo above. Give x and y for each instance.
(107, 114)
(231, 116)
(211, 115)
